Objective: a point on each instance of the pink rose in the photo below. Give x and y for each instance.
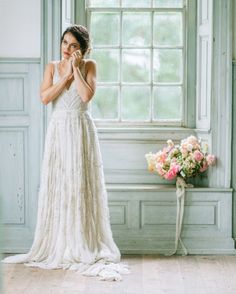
(171, 174)
(210, 159)
(198, 156)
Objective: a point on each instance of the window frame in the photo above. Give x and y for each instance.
(189, 70)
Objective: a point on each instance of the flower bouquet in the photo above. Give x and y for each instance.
(187, 160)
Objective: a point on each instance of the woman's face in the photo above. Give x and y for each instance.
(69, 45)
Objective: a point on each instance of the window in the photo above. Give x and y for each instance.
(140, 48)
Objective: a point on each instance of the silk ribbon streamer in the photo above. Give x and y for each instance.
(180, 195)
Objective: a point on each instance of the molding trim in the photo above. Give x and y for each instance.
(233, 166)
(50, 30)
(50, 48)
(221, 105)
(160, 188)
(190, 103)
(15, 60)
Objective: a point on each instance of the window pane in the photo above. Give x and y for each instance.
(135, 103)
(167, 102)
(105, 103)
(168, 3)
(136, 3)
(108, 65)
(167, 29)
(103, 3)
(137, 29)
(136, 65)
(167, 65)
(105, 28)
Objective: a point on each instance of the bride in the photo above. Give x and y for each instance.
(73, 223)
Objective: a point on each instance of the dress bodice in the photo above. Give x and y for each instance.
(69, 99)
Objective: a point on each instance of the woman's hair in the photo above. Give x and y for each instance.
(82, 36)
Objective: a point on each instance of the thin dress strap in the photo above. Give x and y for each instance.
(55, 68)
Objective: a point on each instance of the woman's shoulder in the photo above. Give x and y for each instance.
(52, 63)
(90, 66)
(90, 62)
(50, 66)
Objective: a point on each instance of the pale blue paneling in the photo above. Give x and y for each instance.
(221, 105)
(150, 223)
(123, 152)
(20, 149)
(12, 93)
(157, 213)
(119, 213)
(12, 175)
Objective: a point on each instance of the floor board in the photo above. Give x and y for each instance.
(150, 274)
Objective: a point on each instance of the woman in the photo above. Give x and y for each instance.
(73, 229)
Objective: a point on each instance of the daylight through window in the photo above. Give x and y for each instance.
(139, 46)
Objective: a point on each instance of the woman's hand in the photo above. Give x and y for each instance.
(76, 58)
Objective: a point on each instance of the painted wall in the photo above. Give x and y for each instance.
(234, 123)
(21, 118)
(234, 30)
(20, 28)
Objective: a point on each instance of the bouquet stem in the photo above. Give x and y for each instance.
(180, 196)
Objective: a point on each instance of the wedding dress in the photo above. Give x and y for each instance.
(73, 223)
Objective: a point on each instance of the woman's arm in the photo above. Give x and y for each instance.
(48, 91)
(86, 89)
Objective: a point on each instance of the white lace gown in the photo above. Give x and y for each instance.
(73, 223)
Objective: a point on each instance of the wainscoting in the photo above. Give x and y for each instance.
(20, 150)
(143, 219)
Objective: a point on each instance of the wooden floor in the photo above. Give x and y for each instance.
(150, 274)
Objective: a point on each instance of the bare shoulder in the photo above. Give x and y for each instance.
(49, 68)
(90, 64)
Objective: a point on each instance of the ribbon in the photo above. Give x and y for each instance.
(180, 195)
